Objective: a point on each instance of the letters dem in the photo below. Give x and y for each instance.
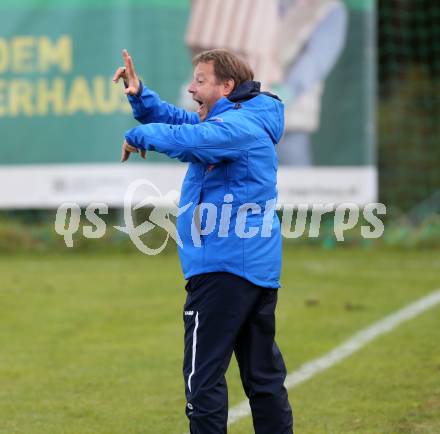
(36, 80)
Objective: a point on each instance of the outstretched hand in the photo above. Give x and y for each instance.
(128, 74)
(127, 149)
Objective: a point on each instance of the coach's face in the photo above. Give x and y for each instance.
(206, 89)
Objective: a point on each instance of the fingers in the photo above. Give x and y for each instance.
(125, 56)
(131, 67)
(120, 73)
(128, 64)
(130, 75)
(125, 155)
(127, 149)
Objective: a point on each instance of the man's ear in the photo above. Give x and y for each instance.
(228, 87)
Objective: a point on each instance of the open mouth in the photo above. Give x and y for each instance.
(201, 105)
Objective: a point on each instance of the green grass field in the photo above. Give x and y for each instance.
(93, 343)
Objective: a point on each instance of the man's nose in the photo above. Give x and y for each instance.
(191, 88)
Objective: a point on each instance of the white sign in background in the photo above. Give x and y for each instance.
(48, 186)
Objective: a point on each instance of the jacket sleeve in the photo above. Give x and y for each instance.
(148, 107)
(208, 142)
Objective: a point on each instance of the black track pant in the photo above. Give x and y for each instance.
(225, 313)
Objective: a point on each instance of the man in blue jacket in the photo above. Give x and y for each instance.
(231, 242)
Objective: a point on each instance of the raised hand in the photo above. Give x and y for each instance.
(132, 78)
(128, 74)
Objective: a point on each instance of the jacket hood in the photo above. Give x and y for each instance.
(268, 107)
(247, 91)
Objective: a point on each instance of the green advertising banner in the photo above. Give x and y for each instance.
(63, 119)
(58, 103)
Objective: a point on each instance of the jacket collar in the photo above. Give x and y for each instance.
(247, 91)
(244, 92)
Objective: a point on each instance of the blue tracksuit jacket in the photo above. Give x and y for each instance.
(232, 163)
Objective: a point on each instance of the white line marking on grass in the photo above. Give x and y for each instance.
(346, 349)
